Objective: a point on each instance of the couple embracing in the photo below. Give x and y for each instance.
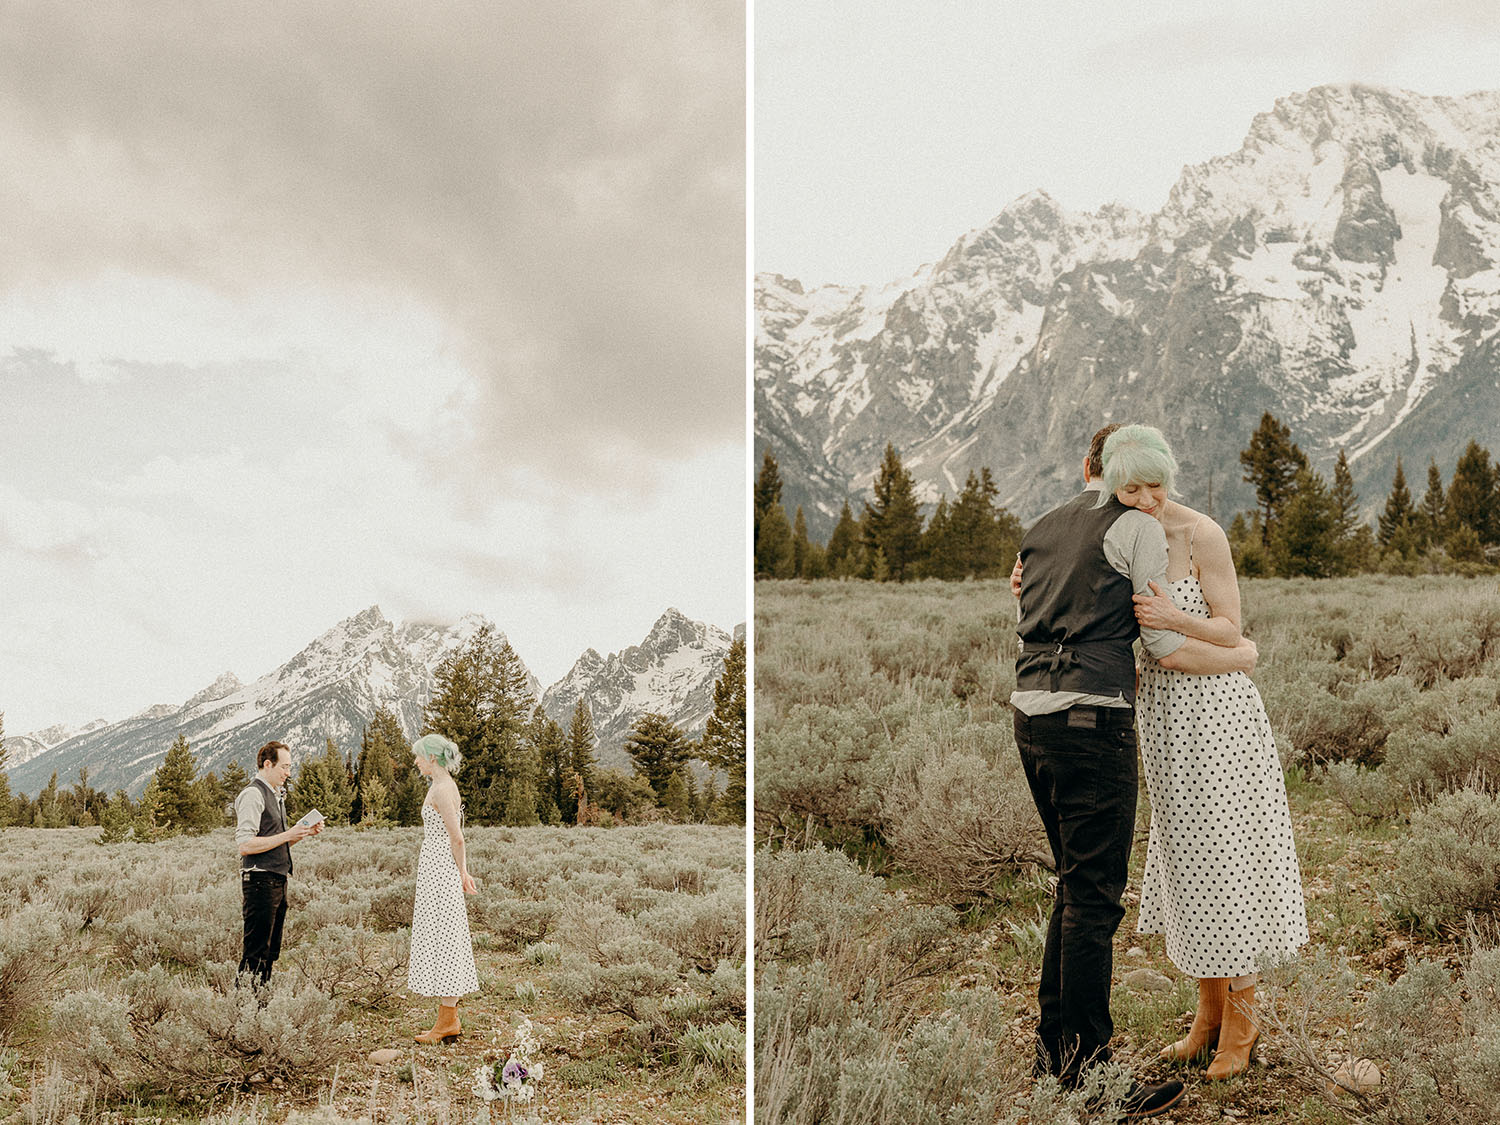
(1121, 560)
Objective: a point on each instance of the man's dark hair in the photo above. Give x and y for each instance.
(269, 753)
(1096, 450)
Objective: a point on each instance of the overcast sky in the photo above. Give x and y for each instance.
(885, 130)
(312, 305)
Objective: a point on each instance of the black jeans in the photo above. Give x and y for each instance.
(1081, 766)
(263, 905)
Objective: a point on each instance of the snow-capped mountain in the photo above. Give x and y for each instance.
(1340, 270)
(328, 690)
(21, 748)
(332, 687)
(671, 672)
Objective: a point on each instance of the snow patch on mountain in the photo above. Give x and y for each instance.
(671, 672)
(1341, 269)
(331, 688)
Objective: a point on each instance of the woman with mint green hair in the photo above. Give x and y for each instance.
(1221, 881)
(441, 962)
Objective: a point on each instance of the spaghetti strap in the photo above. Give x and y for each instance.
(1192, 567)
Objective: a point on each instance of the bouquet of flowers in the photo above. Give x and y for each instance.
(515, 1079)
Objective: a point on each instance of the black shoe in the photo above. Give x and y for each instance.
(1148, 1101)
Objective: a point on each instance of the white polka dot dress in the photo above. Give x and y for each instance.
(442, 954)
(1221, 879)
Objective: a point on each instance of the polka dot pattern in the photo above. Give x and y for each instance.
(442, 953)
(1221, 879)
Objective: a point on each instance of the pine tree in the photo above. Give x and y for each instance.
(213, 799)
(7, 802)
(324, 784)
(939, 551)
(49, 806)
(147, 828)
(801, 548)
(675, 800)
(1345, 505)
(1397, 517)
(382, 745)
(520, 802)
(1272, 463)
(659, 749)
(581, 740)
(892, 522)
(774, 549)
(117, 819)
(1251, 558)
(625, 797)
(1433, 514)
(844, 550)
(723, 745)
(552, 758)
(180, 805)
(773, 535)
(983, 538)
(236, 777)
(1304, 543)
(1471, 494)
(374, 803)
(1463, 544)
(767, 489)
(710, 806)
(482, 701)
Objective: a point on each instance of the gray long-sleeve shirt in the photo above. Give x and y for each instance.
(248, 809)
(1136, 546)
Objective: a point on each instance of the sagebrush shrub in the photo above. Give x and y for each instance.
(823, 764)
(515, 923)
(37, 942)
(391, 908)
(161, 1034)
(620, 986)
(353, 964)
(184, 929)
(815, 905)
(1370, 794)
(704, 929)
(1449, 863)
(960, 823)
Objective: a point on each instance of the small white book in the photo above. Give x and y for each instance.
(312, 817)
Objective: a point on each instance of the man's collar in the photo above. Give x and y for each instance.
(1095, 485)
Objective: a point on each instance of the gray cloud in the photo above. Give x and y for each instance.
(563, 184)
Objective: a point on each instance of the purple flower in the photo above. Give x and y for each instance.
(514, 1072)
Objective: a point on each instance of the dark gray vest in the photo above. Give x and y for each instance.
(1077, 620)
(272, 822)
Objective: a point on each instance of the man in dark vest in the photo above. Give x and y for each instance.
(265, 844)
(1074, 705)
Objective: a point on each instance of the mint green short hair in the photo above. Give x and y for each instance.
(1138, 455)
(440, 750)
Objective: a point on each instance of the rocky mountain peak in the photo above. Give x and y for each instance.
(333, 686)
(671, 631)
(226, 684)
(1339, 269)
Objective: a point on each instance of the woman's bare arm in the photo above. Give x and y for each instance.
(1220, 589)
(445, 800)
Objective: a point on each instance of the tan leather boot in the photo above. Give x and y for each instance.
(1237, 1035)
(1203, 1036)
(446, 1028)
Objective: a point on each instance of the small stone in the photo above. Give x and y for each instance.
(1359, 1074)
(1147, 980)
(1135, 953)
(384, 1056)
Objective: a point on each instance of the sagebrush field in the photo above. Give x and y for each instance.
(902, 883)
(625, 948)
